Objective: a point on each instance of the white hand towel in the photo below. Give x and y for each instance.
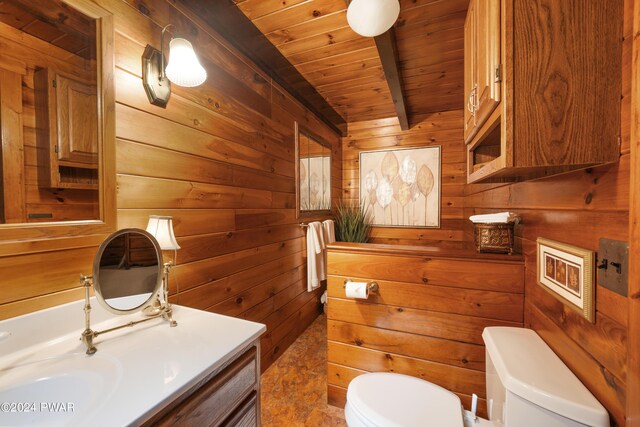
(329, 237)
(501, 217)
(315, 256)
(329, 231)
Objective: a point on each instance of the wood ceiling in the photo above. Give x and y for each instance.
(54, 22)
(346, 69)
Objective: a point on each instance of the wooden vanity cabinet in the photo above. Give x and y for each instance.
(229, 396)
(556, 105)
(482, 72)
(67, 131)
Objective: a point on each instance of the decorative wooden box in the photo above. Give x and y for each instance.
(496, 238)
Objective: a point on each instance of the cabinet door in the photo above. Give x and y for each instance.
(487, 59)
(469, 71)
(77, 121)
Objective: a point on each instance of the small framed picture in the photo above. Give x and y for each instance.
(566, 271)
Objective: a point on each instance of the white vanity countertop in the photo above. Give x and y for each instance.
(47, 379)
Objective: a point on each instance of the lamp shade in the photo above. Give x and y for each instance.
(370, 18)
(183, 68)
(161, 227)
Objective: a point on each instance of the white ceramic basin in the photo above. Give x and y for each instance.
(47, 379)
(57, 390)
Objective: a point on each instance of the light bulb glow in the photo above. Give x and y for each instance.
(370, 18)
(183, 68)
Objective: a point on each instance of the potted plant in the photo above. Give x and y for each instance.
(353, 223)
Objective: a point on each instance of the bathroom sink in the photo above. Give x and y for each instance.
(134, 374)
(57, 390)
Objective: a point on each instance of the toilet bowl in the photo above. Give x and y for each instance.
(527, 386)
(395, 400)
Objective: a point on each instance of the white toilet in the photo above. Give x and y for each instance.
(527, 386)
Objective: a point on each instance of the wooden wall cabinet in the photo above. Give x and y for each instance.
(67, 131)
(558, 102)
(228, 397)
(482, 72)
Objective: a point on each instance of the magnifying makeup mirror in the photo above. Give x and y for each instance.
(127, 271)
(127, 277)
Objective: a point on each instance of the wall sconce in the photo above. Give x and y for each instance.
(161, 227)
(183, 69)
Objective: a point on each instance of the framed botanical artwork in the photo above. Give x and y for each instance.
(401, 187)
(566, 271)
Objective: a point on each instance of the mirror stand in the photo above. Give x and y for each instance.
(157, 307)
(87, 336)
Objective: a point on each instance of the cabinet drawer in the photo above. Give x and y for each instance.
(210, 403)
(246, 415)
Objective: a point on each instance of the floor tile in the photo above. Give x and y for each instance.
(294, 388)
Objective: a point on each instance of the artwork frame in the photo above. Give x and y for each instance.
(567, 273)
(405, 181)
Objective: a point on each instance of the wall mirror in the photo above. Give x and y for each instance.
(127, 271)
(57, 166)
(313, 172)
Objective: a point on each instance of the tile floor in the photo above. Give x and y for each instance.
(294, 388)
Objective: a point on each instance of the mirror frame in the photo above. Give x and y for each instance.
(96, 270)
(298, 128)
(37, 237)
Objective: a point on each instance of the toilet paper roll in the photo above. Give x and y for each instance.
(357, 290)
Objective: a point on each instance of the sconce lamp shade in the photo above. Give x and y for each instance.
(183, 68)
(370, 18)
(161, 227)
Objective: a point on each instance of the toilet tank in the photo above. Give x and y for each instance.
(528, 385)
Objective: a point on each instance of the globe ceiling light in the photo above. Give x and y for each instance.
(370, 18)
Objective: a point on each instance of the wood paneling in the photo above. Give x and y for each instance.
(441, 129)
(57, 23)
(220, 160)
(346, 69)
(426, 319)
(430, 37)
(22, 166)
(238, 29)
(576, 208)
(12, 179)
(314, 37)
(633, 382)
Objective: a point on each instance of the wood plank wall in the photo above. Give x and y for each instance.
(633, 386)
(576, 208)
(220, 159)
(427, 318)
(443, 129)
(22, 55)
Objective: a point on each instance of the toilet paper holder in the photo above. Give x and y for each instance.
(372, 286)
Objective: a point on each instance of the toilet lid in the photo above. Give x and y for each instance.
(395, 400)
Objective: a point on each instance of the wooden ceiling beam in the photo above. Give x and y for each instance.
(388, 52)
